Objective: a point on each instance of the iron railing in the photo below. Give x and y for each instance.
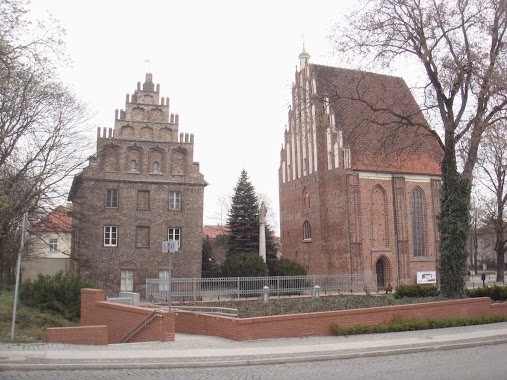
(209, 289)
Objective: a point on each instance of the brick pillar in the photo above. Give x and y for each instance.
(167, 327)
(89, 299)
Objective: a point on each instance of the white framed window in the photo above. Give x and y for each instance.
(110, 236)
(175, 200)
(163, 275)
(127, 281)
(174, 234)
(111, 198)
(53, 245)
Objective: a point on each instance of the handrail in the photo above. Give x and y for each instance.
(224, 311)
(139, 326)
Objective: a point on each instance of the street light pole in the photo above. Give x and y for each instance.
(18, 274)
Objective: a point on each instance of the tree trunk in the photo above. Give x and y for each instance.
(500, 250)
(453, 224)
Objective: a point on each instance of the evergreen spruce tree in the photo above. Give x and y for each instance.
(271, 250)
(208, 261)
(243, 219)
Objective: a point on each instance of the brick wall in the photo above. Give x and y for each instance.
(78, 335)
(110, 323)
(320, 324)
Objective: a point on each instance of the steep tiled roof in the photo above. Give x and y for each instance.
(214, 231)
(59, 220)
(373, 111)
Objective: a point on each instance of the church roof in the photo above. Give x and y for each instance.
(381, 121)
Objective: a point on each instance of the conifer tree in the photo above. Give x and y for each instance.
(243, 219)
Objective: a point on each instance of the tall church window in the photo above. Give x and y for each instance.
(418, 234)
(307, 231)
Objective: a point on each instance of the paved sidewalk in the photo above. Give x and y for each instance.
(204, 351)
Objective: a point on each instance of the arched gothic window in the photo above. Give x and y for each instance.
(306, 199)
(307, 231)
(418, 234)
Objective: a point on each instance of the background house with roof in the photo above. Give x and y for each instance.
(359, 176)
(49, 245)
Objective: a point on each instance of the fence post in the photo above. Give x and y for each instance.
(194, 287)
(238, 288)
(278, 285)
(265, 294)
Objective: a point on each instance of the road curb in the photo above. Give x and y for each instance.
(249, 362)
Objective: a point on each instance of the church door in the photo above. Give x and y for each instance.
(379, 269)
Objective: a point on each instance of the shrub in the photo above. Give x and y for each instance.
(416, 290)
(59, 294)
(286, 267)
(244, 265)
(496, 293)
(399, 325)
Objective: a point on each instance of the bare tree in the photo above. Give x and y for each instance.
(492, 174)
(458, 47)
(41, 125)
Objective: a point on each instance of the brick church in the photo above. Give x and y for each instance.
(359, 176)
(140, 188)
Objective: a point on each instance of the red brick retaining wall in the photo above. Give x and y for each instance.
(118, 321)
(78, 335)
(320, 324)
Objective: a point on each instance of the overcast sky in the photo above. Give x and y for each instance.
(227, 67)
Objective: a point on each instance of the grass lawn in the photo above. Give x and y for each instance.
(30, 323)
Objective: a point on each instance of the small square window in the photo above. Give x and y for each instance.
(111, 198)
(175, 200)
(174, 234)
(53, 245)
(110, 236)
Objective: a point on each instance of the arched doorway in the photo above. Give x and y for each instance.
(380, 271)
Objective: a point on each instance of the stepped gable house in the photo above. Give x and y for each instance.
(359, 176)
(140, 188)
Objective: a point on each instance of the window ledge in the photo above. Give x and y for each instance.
(307, 240)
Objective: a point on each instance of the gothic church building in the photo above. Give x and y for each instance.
(359, 176)
(141, 188)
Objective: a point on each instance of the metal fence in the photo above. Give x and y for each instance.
(209, 289)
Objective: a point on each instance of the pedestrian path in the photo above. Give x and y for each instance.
(204, 351)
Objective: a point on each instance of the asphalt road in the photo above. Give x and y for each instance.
(487, 362)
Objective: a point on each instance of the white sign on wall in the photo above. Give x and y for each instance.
(428, 277)
(169, 246)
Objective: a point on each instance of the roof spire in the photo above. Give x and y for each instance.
(304, 58)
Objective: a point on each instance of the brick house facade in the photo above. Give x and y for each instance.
(140, 188)
(359, 176)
